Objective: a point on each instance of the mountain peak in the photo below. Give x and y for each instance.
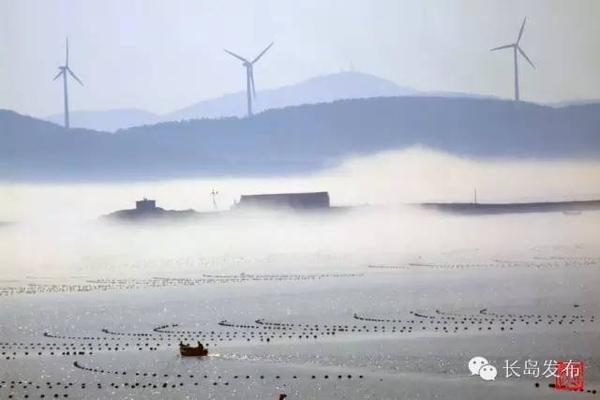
(362, 84)
(319, 89)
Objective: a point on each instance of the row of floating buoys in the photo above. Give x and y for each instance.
(108, 332)
(55, 396)
(126, 284)
(496, 264)
(305, 331)
(78, 365)
(72, 349)
(522, 317)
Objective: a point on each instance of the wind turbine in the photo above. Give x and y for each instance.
(214, 194)
(249, 65)
(517, 49)
(64, 70)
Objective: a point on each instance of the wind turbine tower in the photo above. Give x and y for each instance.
(214, 194)
(249, 65)
(516, 50)
(64, 70)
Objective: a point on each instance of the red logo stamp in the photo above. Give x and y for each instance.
(569, 375)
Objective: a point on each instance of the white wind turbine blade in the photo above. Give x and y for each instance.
(262, 53)
(525, 56)
(74, 77)
(237, 56)
(67, 52)
(507, 46)
(521, 30)
(59, 74)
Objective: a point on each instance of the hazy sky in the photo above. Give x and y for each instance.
(164, 55)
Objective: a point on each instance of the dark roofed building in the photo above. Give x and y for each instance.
(296, 201)
(145, 205)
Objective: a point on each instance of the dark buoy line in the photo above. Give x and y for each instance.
(267, 331)
(93, 285)
(81, 366)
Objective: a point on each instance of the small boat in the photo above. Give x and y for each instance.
(190, 351)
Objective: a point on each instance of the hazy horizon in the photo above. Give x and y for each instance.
(122, 58)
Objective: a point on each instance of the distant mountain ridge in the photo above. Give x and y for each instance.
(320, 89)
(298, 139)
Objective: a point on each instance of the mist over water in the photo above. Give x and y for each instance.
(390, 178)
(59, 234)
(286, 243)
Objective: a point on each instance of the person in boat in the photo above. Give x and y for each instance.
(200, 346)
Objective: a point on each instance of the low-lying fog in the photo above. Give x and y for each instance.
(60, 236)
(414, 175)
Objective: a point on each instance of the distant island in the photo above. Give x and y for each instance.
(146, 210)
(567, 207)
